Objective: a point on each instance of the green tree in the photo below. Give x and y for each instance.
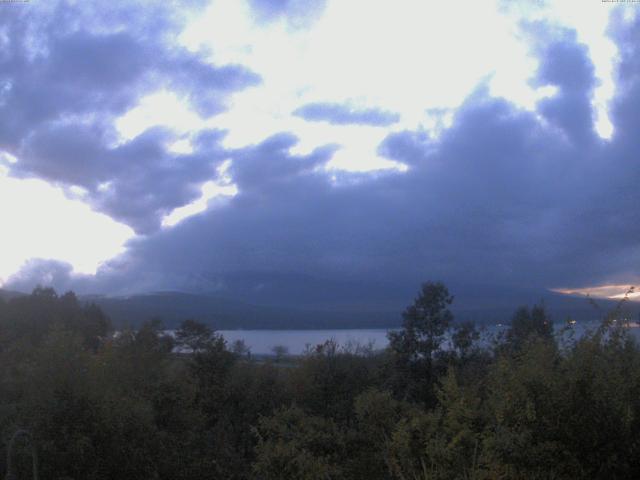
(464, 338)
(193, 335)
(528, 325)
(370, 449)
(415, 346)
(280, 352)
(240, 348)
(295, 446)
(327, 379)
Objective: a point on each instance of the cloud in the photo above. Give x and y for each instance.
(500, 195)
(41, 272)
(269, 165)
(297, 13)
(565, 64)
(69, 70)
(339, 114)
(136, 183)
(504, 197)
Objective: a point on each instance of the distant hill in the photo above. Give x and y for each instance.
(227, 314)
(302, 302)
(9, 294)
(559, 306)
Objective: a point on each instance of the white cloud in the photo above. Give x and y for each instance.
(38, 221)
(405, 56)
(160, 108)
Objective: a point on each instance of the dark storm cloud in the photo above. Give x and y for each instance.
(268, 166)
(500, 198)
(137, 182)
(566, 65)
(67, 71)
(340, 114)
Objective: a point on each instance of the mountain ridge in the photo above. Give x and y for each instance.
(228, 312)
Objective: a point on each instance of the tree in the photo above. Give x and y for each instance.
(295, 446)
(193, 335)
(425, 324)
(280, 352)
(463, 338)
(327, 379)
(527, 325)
(150, 337)
(240, 348)
(32, 317)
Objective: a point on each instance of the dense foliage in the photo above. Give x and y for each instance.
(439, 403)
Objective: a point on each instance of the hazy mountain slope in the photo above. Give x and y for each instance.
(225, 313)
(173, 307)
(9, 294)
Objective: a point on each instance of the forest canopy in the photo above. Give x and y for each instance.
(532, 403)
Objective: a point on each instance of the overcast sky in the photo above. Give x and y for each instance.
(185, 144)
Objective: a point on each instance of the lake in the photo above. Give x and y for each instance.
(261, 342)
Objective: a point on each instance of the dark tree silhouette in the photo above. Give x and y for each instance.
(423, 330)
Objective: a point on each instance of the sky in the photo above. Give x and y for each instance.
(246, 146)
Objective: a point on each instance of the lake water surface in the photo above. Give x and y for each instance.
(261, 342)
